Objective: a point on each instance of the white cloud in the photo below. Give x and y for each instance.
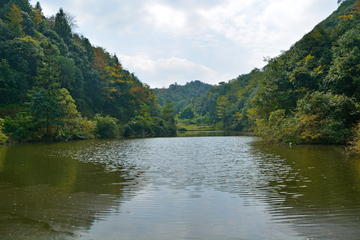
(163, 72)
(165, 18)
(139, 62)
(184, 40)
(265, 27)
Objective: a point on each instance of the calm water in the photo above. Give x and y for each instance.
(219, 187)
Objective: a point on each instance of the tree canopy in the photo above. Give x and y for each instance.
(49, 74)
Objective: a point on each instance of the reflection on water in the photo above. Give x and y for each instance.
(46, 195)
(320, 187)
(178, 188)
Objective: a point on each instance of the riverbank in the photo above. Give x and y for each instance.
(3, 137)
(23, 129)
(193, 127)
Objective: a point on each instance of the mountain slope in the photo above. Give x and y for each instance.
(42, 58)
(310, 93)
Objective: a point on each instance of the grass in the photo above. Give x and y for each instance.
(193, 127)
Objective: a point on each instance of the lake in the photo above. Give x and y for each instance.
(186, 187)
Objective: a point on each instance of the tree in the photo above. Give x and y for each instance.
(186, 113)
(343, 77)
(8, 87)
(61, 25)
(67, 72)
(106, 126)
(168, 111)
(15, 19)
(49, 103)
(222, 104)
(27, 24)
(45, 109)
(48, 74)
(38, 7)
(143, 115)
(37, 15)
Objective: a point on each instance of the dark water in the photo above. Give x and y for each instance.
(220, 187)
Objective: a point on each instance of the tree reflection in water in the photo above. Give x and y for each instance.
(45, 194)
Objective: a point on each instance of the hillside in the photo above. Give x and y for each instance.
(308, 94)
(181, 95)
(51, 76)
(225, 105)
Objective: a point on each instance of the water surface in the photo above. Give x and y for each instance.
(207, 187)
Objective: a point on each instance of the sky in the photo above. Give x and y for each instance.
(168, 41)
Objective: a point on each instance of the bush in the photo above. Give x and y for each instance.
(320, 118)
(186, 113)
(220, 125)
(171, 129)
(3, 137)
(156, 127)
(106, 127)
(279, 129)
(137, 127)
(20, 127)
(127, 131)
(326, 117)
(355, 142)
(79, 128)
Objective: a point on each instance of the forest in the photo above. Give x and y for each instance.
(55, 85)
(308, 94)
(181, 95)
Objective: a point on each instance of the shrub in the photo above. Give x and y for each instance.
(79, 128)
(186, 113)
(3, 137)
(106, 127)
(326, 117)
(20, 128)
(320, 118)
(127, 130)
(279, 128)
(156, 127)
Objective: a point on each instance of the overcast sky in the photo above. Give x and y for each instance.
(167, 41)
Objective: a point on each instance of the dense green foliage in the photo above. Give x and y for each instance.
(186, 113)
(181, 95)
(224, 106)
(54, 85)
(310, 93)
(49, 74)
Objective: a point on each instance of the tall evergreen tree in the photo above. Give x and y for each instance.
(61, 26)
(38, 7)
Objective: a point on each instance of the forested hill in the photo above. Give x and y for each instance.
(180, 95)
(225, 105)
(311, 93)
(308, 94)
(45, 66)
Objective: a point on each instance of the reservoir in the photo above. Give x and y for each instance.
(212, 186)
